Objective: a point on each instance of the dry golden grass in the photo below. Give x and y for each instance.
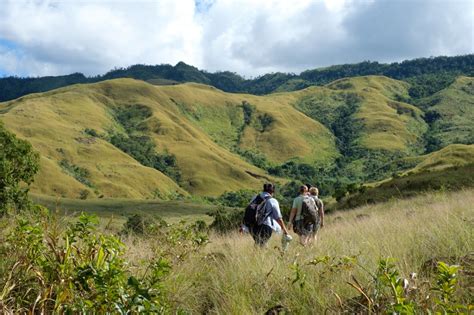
(234, 277)
(450, 156)
(200, 125)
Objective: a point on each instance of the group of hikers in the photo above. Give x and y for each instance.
(263, 216)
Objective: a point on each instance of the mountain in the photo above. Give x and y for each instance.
(426, 76)
(131, 139)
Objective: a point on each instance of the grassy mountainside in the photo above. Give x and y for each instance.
(71, 160)
(72, 128)
(450, 113)
(371, 124)
(268, 125)
(127, 138)
(449, 168)
(55, 123)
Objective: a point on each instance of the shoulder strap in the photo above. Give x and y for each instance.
(264, 206)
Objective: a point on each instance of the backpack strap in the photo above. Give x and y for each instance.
(263, 204)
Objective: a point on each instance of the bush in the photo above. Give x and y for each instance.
(84, 194)
(91, 132)
(79, 173)
(74, 270)
(240, 198)
(18, 165)
(226, 220)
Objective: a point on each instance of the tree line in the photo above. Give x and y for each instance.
(426, 75)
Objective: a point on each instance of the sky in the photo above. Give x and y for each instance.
(249, 37)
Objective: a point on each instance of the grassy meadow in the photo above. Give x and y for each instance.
(231, 276)
(227, 274)
(118, 210)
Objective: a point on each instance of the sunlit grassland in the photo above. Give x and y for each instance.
(227, 274)
(234, 277)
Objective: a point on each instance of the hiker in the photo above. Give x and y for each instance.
(262, 214)
(314, 193)
(304, 216)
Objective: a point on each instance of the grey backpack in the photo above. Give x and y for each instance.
(263, 212)
(309, 211)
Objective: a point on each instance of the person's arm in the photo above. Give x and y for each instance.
(294, 210)
(282, 224)
(321, 214)
(292, 216)
(277, 215)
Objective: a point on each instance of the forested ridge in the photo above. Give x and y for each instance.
(426, 76)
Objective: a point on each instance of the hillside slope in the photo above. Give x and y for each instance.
(449, 168)
(127, 138)
(450, 113)
(372, 126)
(180, 123)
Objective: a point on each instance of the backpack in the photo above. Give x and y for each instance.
(309, 211)
(254, 212)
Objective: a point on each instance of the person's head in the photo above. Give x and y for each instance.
(314, 191)
(303, 189)
(269, 188)
(308, 185)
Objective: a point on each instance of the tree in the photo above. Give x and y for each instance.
(18, 165)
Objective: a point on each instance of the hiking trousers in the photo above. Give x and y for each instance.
(261, 234)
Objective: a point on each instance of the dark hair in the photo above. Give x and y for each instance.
(268, 187)
(303, 188)
(308, 185)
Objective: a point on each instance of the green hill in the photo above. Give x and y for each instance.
(371, 125)
(450, 113)
(126, 138)
(449, 168)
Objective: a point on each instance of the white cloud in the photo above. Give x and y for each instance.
(246, 36)
(95, 36)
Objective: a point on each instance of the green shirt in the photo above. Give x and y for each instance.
(298, 204)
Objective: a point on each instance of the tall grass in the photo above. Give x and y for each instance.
(234, 277)
(177, 268)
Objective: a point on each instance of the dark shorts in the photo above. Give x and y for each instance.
(261, 234)
(302, 228)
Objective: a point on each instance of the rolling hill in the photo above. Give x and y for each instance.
(427, 76)
(449, 168)
(450, 114)
(126, 138)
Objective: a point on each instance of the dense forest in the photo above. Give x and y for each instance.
(426, 76)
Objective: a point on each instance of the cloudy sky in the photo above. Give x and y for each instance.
(250, 37)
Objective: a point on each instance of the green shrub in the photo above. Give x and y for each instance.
(240, 198)
(79, 173)
(91, 132)
(74, 270)
(226, 220)
(18, 165)
(84, 194)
